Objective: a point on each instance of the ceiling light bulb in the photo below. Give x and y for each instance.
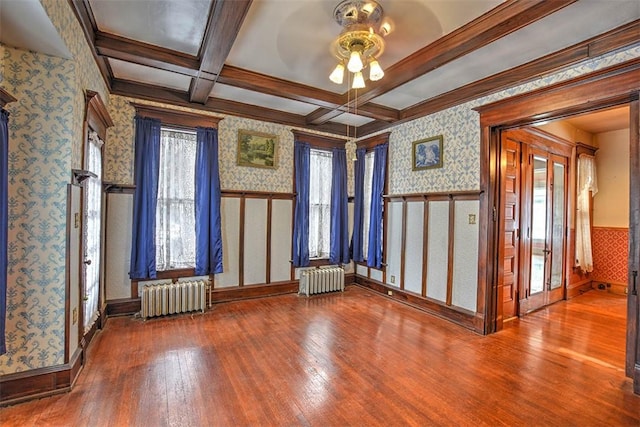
(355, 62)
(337, 75)
(358, 81)
(375, 71)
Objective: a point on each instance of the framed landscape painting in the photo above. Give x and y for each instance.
(427, 153)
(257, 149)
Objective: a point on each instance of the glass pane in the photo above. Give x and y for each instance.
(558, 226)
(93, 214)
(538, 225)
(366, 211)
(320, 179)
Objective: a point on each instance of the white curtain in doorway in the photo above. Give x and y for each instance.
(587, 188)
(92, 215)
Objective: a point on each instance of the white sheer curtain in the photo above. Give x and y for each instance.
(587, 182)
(320, 170)
(175, 215)
(366, 208)
(91, 238)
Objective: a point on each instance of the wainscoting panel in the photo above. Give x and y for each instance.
(230, 216)
(362, 270)
(465, 255)
(376, 274)
(118, 245)
(281, 226)
(255, 241)
(414, 248)
(394, 243)
(438, 255)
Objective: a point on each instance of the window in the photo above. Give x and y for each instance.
(320, 176)
(368, 182)
(175, 215)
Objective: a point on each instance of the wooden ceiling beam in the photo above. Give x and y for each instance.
(619, 38)
(217, 105)
(224, 23)
(129, 50)
(501, 21)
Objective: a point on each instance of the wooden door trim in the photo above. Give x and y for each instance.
(632, 358)
(608, 87)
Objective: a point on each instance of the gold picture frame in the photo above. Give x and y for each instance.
(257, 149)
(427, 153)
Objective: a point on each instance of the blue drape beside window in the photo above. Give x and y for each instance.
(4, 220)
(301, 158)
(374, 253)
(146, 169)
(339, 241)
(207, 200)
(358, 208)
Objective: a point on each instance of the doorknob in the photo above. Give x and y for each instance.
(88, 262)
(634, 273)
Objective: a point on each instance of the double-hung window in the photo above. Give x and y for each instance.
(320, 174)
(366, 208)
(175, 209)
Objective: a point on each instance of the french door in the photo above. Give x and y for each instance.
(545, 220)
(91, 232)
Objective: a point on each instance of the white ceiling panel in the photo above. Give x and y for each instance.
(177, 25)
(261, 99)
(143, 74)
(580, 21)
(351, 119)
(292, 39)
(25, 24)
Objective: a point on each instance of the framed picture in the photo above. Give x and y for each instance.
(427, 153)
(257, 149)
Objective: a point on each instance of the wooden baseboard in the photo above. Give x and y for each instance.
(610, 287)
(578, 288)
(460, 317)
(253, 291)
(125, 306)
(42, 382)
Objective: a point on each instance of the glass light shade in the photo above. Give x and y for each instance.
(358, 81)
(355, 62)
(375, 71)
(337, 75)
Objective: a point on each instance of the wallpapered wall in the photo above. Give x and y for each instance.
(119, 150)
(45, 143)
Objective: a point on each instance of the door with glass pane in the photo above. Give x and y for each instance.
(546, 192)
(91, 232)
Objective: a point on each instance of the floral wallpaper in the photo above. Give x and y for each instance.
(39, 169)
(460, 127)
(119, 150)
(45, 143)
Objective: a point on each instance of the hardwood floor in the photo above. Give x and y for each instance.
(355, 358)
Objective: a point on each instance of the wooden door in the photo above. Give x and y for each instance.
(633, 301)
(510, 225)
(545, 186)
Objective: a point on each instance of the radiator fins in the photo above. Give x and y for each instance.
(163, 299)
(321, 280)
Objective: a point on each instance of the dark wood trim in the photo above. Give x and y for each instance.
(241, 242)
(220, 106)
(417, 197)
(604, 88)
(371, 142)
(109, 187)
(253, 291)
(579, 289)
(268, 242)
(225, 20)
(123, 306)
(125, 49)
(459, 316)
(176, 118)
(425, 245)
(84, 14)
(632, 360)
(585, 149)
(96, 115)
(5, 98)
(450, 249)
(403, 247)
(257, 194)
(497, 23)
(611, 86)
(67, 274)
(41, 382)
(319, 141)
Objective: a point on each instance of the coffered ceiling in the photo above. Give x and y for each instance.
(270, 59)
